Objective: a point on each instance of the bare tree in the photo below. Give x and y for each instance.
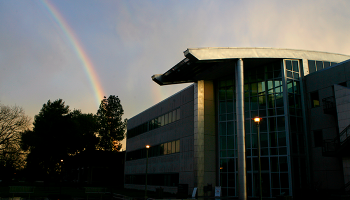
(13, 122)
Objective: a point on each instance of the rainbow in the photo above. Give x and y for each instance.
(79, 50)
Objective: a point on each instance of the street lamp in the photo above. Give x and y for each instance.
(257, 121)
(147, 147)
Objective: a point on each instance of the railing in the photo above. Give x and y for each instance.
(331, 146)
(344, 135)
(347, 187)
(329, 105)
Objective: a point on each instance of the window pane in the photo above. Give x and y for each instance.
(229, 82)
(283, 164)
(166, 119)
(222, 128)
(278, 83)
(230, 107)
(290, 86)
(271, 101)
(326, 64)
(284, 180)
(156, 123)
(296, 87)
(159, 121)
(165, 145)
(229, 93)
(272, 124)
(289, 65)
(178, 114)
(281, 139)
(312, 66)
(280, 123)
(177, 146)
(151, 124)
(254, 103)
(170, 117)
(223, 143)
(319, 65)
(273, 139)
(222, 107)
(279, 100)
(270, 86)
(174, 115)
(162, 120)
(262, 102)
(254, 89)
(230, 142)
(222, 93)
(223, 165)
(296, 75)
(261, 88)
(275, 180)
(274, 164)
(295, 66)
(222, 83)
(173, 147)
(230, 129)
(169, 147)
(263, 140)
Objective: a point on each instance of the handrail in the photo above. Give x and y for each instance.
(344, 135)
(347, 187)
(332, 145)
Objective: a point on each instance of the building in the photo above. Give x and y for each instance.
(205, 134)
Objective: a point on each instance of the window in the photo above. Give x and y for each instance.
(318, 138)
(315, 102)
(177, 146)
(312, 66)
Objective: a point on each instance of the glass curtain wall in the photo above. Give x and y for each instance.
(264, 97)
(296, 131)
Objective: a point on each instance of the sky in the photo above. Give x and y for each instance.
(82, 50)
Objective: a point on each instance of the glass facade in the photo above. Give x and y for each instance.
(272, 92)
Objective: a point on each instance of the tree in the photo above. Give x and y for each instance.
(112, 127)
(58, 134)
(13, 122)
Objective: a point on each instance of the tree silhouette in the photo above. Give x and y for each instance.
(58, 134)
(112, 127)
(13, 122)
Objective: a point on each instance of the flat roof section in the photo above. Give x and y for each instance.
(208, 63)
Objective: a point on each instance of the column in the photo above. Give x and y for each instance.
(204, 135)
(242, 186)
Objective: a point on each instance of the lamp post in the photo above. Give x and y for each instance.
(257, 121)
(147, 147)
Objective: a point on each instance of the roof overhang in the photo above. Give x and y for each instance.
(208, 63)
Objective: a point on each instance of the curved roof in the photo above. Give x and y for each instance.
(200, 62)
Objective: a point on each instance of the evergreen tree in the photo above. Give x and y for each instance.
(57, 134)
(112, 127)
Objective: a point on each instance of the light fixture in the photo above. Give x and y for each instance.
(257, 119)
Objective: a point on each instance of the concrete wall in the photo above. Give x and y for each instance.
(182, 130)
(342, 98)
(327, 172)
